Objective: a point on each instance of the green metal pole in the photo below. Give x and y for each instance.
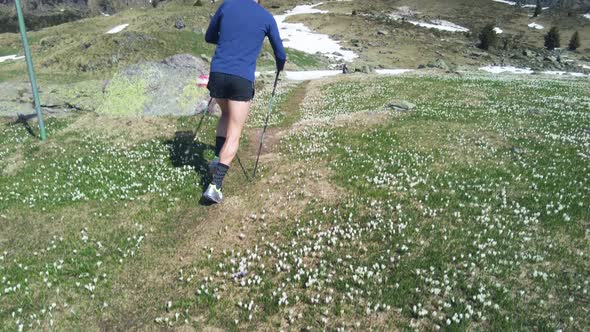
(23, 33)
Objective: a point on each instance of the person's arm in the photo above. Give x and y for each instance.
(277, 45)
(212, 35)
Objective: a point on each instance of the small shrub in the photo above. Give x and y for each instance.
(488, 37)
(574, 42)
(538, 9)
(552, 39)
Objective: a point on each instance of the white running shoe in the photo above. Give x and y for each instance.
(213, 194)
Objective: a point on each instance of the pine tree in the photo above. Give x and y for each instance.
(538, 9)
(574, 42)
(488, 37)
(552, 39)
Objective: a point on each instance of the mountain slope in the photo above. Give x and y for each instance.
(45, 13)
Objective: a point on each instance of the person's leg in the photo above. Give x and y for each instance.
(237, 115)
(234, 116)
(221, 132)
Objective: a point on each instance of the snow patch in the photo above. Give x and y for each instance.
(391, 72)
(310, 75)
(440, 25)
(587, 16)
(506, 69)
(10, 57)
(564, 73)
(300, 37)
(406, 12)
(498, 30)
(513, 3)
(536, 26)
(527, 71)
(104, 14)
(117, 29)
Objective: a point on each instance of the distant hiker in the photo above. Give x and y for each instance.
(238, 28)
(345, 69)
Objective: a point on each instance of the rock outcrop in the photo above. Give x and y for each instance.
(157, 88)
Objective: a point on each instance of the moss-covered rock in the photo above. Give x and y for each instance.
(124, 96)
(156, 88)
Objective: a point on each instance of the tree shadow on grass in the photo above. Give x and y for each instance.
(186, 151)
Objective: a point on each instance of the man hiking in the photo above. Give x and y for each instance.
(238, 28)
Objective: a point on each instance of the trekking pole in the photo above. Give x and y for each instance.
(205, 113)
(272, 97)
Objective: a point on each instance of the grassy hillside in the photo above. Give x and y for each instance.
(406, 45)
(83, 50)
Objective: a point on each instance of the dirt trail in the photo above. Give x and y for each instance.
(290, 108)
(254, 206)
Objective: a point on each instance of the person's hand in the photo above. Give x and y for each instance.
(281, 66)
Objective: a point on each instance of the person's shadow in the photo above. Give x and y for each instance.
(186, 151)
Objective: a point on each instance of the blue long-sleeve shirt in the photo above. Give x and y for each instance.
(239, 28)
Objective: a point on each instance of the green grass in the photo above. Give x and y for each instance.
(453, 201)
(86, 216)
(304, 60)
(8, 51)
(473, 207)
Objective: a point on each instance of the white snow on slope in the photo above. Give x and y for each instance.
(10, 57)
(498, 30)
(300, 37)
(564, 73)
(117, 29)
(506, 69)
(311, 74)
(391, 72)
(536, 26)
(406, 12)
(513, 3)
(527, 71)
(587, 16)
(440, 25)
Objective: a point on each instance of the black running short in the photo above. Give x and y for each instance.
(226, 86)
